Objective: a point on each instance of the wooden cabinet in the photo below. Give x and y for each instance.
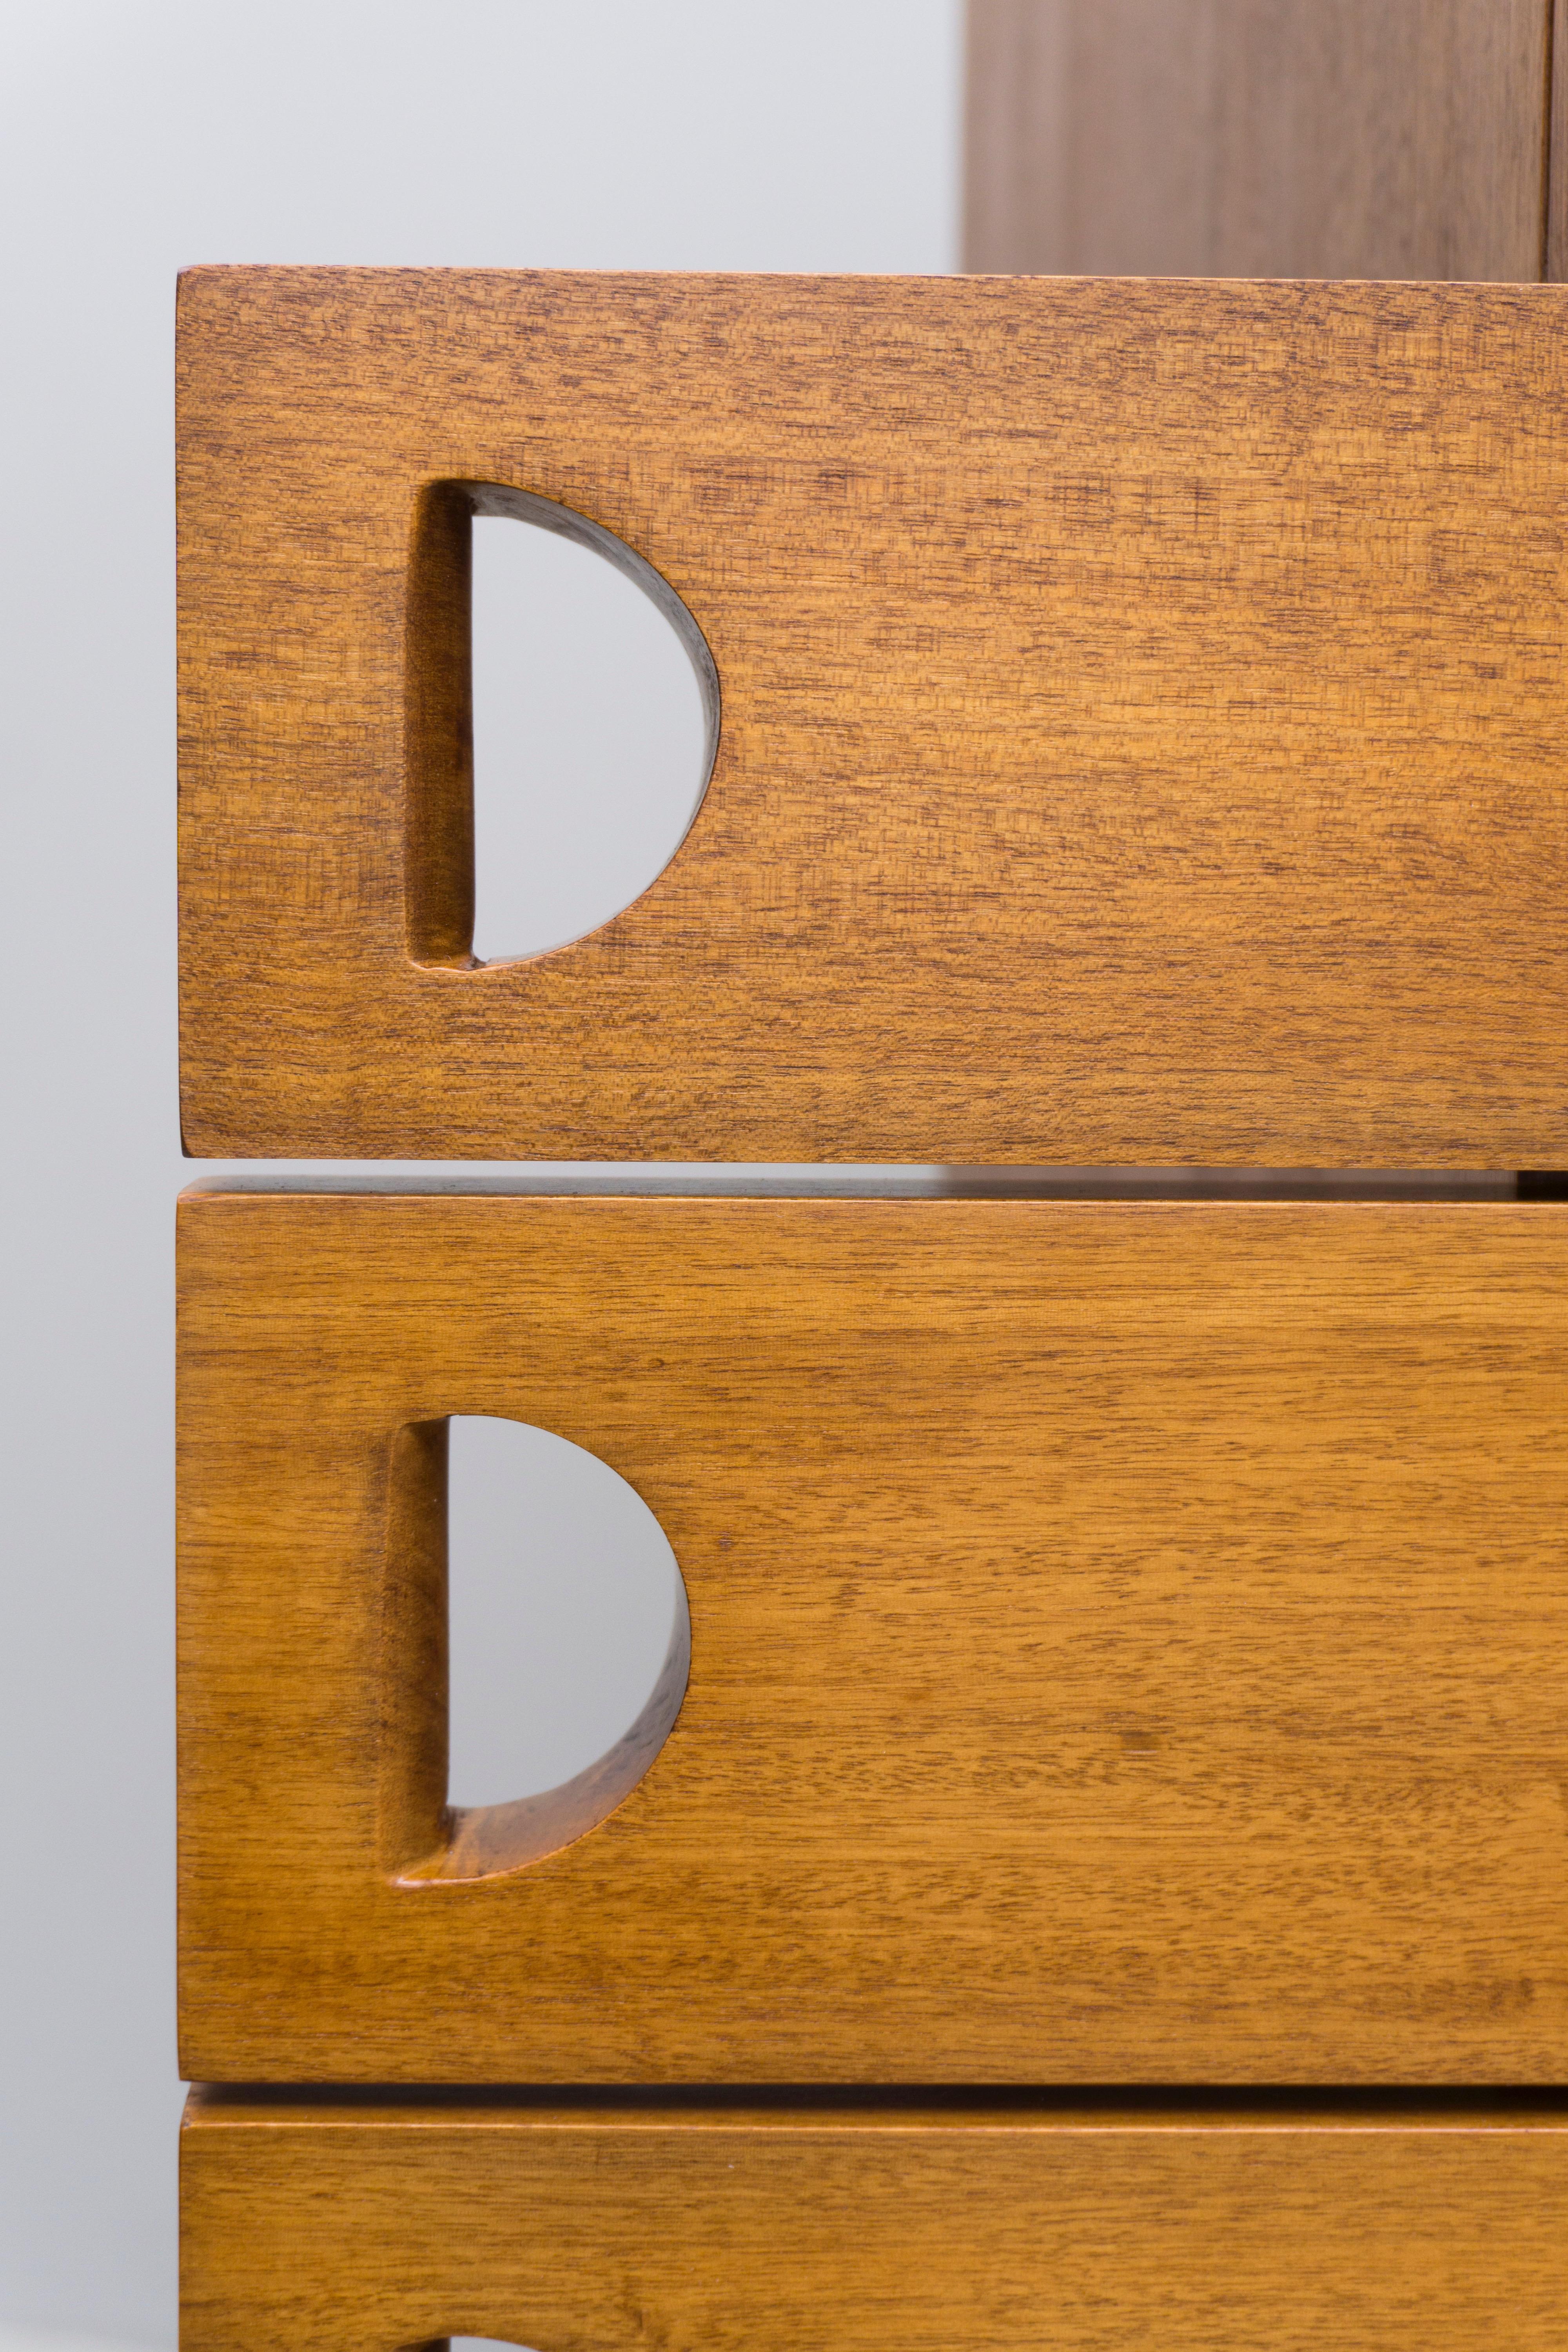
(1125, 1635)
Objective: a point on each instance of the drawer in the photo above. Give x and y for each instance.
(584, 2229)
(1140, 711)
(1127, 1642)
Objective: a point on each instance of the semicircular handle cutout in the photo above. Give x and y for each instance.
(486, 1840)
(563, 720)
(537, 1615)
(470, 2344)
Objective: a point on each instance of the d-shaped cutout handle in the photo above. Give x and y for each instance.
(549, 1537)
(556, 756)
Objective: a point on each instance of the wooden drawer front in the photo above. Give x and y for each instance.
(1143, 711)
(1129, 1640)
(328, 2230)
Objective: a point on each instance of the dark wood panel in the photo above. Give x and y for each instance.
(1259, 137)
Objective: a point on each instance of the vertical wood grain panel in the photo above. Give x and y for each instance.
(1259, 137)
(1557, 149)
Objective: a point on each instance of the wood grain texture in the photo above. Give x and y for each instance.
(1259, 137)
(310, 2230)
(1141, 740)
(1557, 149)
(1127, 1641)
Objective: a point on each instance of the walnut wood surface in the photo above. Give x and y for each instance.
(1127, 1640)
(1557, 146)
(1259, 137)
(997, 2231)
(1143, 711)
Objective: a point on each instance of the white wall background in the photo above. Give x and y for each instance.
(683, 134)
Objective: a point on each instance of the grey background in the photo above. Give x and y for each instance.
(580, 687)
(564, 1597)
(773, 134)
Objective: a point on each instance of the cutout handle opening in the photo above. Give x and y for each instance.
(600, 1565)
(621, 801)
